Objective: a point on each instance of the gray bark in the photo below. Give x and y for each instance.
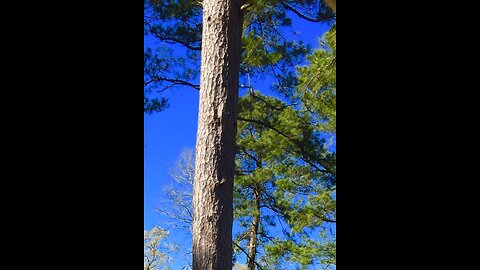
(215, 148)
(253, 240)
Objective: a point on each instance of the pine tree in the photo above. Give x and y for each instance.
(215, 148)
(285, 186)
(222, 23)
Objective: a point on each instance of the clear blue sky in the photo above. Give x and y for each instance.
(167, 133)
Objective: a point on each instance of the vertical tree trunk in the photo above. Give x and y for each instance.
(253, 242)
(215, 148)
(332, 4)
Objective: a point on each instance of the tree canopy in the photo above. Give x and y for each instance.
(174, 29)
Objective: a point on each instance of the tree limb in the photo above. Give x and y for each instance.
(298, 144)
(299, 14)
(171, 39)
(173, 81)
(246, 254)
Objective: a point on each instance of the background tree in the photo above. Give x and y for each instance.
(239, 266)
(178, 207)
(273, 171)
(316, 94)
(153, 256)
(317, 86)
(283, 188)
(270, 173)
(179, 195)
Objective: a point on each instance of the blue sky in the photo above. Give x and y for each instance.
(169, 132)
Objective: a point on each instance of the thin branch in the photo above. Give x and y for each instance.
(275, 209)
(173, 81)
(285, 232)
(298, 144)
(267, 237)
(280, 211)
(245, 6)
(251, 156)
(246, 254)
(172, 39)
(270, 105)
(299, 14)
(327, 219)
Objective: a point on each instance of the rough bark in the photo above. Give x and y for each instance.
(215, 148)
(332, 4)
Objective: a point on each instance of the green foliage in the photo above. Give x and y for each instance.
(280, 156)
(159, 66)
(305, 253)
(154, 104)
(176, 23)
(256, 54)
(180, 21)
(266, 51)
(317, 83)
(153, 257)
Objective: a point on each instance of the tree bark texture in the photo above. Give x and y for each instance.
(253, 240)
(215, 148)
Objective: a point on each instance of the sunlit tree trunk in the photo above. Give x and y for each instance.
(332, 4)
(253, 239)
(215, 148)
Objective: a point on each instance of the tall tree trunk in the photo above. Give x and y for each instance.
(215, 148)
(253, 242)
(332, 4)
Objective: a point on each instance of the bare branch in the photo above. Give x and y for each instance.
(299, 14)
(172, 39)
(173, 81)
(246, 254)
